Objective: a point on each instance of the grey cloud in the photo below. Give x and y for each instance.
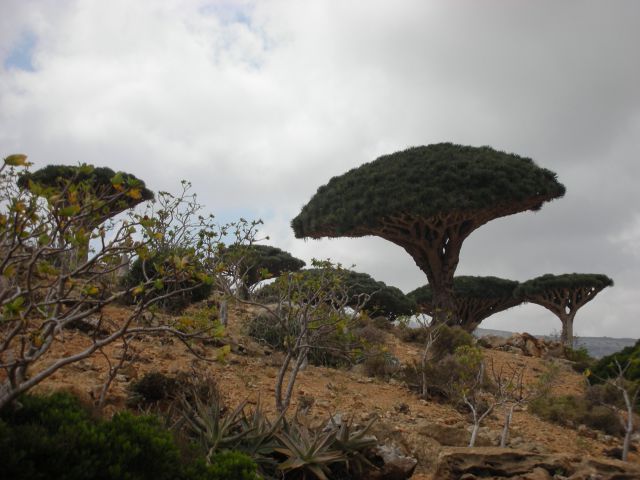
(260, 103)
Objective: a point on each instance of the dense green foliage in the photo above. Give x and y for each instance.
(153, 387)
(606, 367)
(86, 183)
(448, 339)
(384, 300)
(453, 363)
(191, 286)
(258, 262)
(444, 366)
(580, 358)
(422, 182)
(55, 438)
(336, 347)
(470, 287)
(570, 281)
(100, 178)
(475, 298)
(574, 410)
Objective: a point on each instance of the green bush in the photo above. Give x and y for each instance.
(580, 358)
(573, 410)
(606, 366)
(382, 323)
(449, 340)
(447, 375)
(266, 329)
(152, 388)
(411, 335)
(229, 465)
(382, 365)
(160, 266)
(54, 437)
(370, 335)
(334, 349)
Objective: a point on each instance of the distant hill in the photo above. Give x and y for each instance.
(596, 346)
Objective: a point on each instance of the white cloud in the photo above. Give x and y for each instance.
(260, 103)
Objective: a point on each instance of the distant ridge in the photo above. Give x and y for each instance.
(596, 346)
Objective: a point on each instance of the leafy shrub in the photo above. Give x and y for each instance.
(382, 323)
(335, 348)
(381, 365)
(573, 410)
(370, 335)
(446, 376)
(581, 358)
(266, 329)
(152, 388)
(411, 335)
(192, 280)
(606, 366)
(230, 465)
(449, 340)
(603, 418)
(54, 437)
(604, 394)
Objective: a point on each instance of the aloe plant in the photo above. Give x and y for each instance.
(214, 429)
(307, 452)
(260, 442)
(353, 443)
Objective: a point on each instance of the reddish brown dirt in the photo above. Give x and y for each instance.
(251, 375)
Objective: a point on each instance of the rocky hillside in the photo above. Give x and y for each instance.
(432, 433)
(596, 346)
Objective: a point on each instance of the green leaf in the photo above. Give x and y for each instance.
(17, 160)
(117, 179)
(69, 211)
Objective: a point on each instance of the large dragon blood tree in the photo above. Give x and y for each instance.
(564, 295)
(428, 200)
(476, 298)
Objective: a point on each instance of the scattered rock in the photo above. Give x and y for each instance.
(523, 344)
(498, 463)
(392, 464)
(447, 435)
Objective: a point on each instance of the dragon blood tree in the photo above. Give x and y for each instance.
(476, 298)
(382, 299)
(251, 264)
(428, 200)
(563, 295)
(98, 192)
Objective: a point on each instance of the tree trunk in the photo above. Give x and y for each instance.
(224, 314)
(425, 388)
(474, 434)
(444, 306)
(504, 438)
(566, 337)
(628, 430)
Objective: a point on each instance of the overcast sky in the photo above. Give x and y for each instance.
(260, 103)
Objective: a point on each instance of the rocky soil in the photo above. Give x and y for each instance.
(425, 430)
